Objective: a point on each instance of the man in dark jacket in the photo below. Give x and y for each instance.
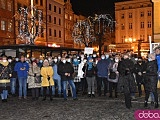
(66, 70)
(139, 68)
(13, 76)
(126, 79)
(102, 73)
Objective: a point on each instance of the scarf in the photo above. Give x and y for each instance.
(90, 65)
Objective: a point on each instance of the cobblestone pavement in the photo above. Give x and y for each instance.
(98, 108)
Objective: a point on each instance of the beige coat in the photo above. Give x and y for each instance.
(31, 78)
(45, 72)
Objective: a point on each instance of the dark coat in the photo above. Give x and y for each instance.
(5, 71)
(65, 68)
(126, 82)
(14, 73)
(89, 73)
(151, 78)
(139, 68)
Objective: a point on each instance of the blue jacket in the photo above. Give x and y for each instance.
(55, 70)
(19, 66)
(102, 68)
(158, 61)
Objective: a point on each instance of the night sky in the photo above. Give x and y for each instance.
(91, 7)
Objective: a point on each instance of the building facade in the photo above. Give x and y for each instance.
(134, 25)
(7, 35)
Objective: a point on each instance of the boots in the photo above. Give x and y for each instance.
(145, 104)
(156, 105)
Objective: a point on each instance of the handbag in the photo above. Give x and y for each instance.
(37, 79)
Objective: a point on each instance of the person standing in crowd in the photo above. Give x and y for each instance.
(126, 81)
(89, 72)
(13, 78)
(102, 73)
(22, 68)
(56, 77)
(47, 79)
(77, 80)
(5, 74)
(34, 80)
(139, 68)
(66, 70)
(151, 80)
(81, 75)
(113, 76)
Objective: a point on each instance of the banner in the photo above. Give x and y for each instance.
(88, 50)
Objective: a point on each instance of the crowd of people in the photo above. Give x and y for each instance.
(81, 74)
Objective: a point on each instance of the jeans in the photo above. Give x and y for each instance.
(22, 86)
(13, 85)
(105, 82)
(71, 83)
(90, 82)
(4, 94)
(58, 83)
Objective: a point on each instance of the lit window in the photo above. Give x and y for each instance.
(70, 18)
(9, 6)
(3, 25)
(66, 16)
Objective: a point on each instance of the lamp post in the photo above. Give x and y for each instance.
(87, 30)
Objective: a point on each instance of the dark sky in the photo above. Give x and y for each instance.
(91, 7)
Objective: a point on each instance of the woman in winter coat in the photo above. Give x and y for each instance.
(126, 81)
(34, 80)
(151, 80)
(47, 79)
(89, 71)
(5, 74)
(113, 76)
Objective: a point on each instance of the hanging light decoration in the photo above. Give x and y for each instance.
(85, 31)
(29, 24)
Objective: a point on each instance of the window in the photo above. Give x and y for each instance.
(149, 5)
(142, 14)
(130, 25)
(50, 32)
(41, 2)
(149, 13)
(141, 6)
(123, 39)
(50, 7)
(59, 34)
(66, 16)
(142, 24)
(3, 25)
(55, 8)
(50, 18)
(3, 4)
(59, 21)
(122, 27)
(10, 26)
(122, 16)
(130, 7)
(59, 10)
(36, 1)
(122, 8)
(9, 6)
(149, 24)
(54, 20)
(55, 34)
(70, 17)
(130, 15)
(142, 37)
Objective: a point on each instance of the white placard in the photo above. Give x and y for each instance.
(88, 50)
